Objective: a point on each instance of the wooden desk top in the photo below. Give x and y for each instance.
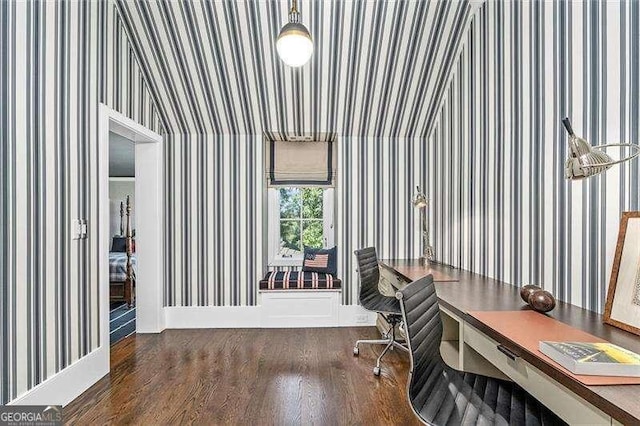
(473, 292)
(411, 270)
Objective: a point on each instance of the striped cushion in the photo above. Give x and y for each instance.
(299, 280)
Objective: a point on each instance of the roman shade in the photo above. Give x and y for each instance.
(300, 160)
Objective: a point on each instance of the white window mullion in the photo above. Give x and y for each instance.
(328, 229)
(301, 224)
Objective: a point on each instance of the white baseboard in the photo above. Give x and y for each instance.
(212, 316)
(356, 316)
(253, 317)
(68, 384)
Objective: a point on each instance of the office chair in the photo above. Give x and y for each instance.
(372, 300)
(440, 395)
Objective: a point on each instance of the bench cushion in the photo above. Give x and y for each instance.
(299, 280)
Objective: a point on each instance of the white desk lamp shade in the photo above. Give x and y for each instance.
(294, 45)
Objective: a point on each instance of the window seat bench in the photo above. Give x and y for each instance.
(293, 299)
(299, 280)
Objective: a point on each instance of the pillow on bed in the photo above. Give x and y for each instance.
(321, 260)
(119, 245)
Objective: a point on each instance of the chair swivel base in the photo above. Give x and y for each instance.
(389, 341)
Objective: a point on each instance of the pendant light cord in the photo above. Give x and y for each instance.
(294, 15)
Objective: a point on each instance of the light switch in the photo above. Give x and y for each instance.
(79, 229)
(76, 229)
(83, 228)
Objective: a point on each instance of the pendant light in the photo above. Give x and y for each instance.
(294, 43)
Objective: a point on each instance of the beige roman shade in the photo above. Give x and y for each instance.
(300, 160)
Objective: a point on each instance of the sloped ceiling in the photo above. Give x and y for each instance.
(379, 67)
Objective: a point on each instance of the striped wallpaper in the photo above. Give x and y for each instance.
(215, 205)
(373, 79)
(213, 219)
(496, 153)
(377, 69)
(58, 61)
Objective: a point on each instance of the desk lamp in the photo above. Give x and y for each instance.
(420, 202)
(586, 160)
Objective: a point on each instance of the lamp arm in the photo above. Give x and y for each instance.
(425, 226)
(427, 250)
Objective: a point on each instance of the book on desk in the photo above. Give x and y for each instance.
(593, 358)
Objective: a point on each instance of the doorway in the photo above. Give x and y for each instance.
(149, 235)
(122, 231)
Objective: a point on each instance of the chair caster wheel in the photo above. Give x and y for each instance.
(376, 371)
(356, 351)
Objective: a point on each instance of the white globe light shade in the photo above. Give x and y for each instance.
(294, 45)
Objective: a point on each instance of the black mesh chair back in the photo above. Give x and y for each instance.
(440, 395)
(372, 300)
(369, 273)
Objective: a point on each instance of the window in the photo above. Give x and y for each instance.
(299, 217)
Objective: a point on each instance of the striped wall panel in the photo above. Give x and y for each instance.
(214, 212)
(213, 219)
(58, 61)
(378, 68)
(376, 183)
(496, 151)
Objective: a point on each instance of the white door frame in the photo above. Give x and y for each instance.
(149, 231)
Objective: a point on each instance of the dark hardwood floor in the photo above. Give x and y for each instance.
(248, 377)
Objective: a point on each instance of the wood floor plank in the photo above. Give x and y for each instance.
(248, 376)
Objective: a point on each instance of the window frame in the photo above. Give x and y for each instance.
(273, 195)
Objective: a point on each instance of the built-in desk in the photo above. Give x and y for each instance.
(468, 337)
